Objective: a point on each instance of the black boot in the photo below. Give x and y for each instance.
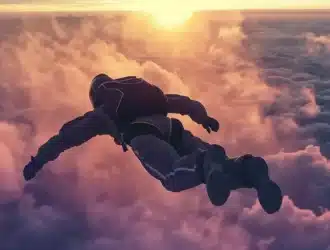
(218, 181)
(31, 169)
(256, 175)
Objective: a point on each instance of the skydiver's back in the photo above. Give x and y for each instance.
(127, 98)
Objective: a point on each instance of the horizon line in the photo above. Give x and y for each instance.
(82, 7)
(97, 10)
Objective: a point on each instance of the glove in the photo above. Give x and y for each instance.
(211, 124)
(31, 169)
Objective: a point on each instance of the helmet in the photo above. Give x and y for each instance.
(96, 83)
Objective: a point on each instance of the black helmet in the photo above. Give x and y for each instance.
(96, 83)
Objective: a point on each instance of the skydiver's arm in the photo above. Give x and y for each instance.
(74, 133)
(183, 105)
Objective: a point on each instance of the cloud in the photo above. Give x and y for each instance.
(313, 170)
(317, 44)
(292, 228)
(93, 197)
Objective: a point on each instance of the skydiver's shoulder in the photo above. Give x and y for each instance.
(129, 80)
(177, 97)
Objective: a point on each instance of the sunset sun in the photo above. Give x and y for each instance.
(170, 17)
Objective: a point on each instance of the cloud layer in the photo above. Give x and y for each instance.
(266, 86)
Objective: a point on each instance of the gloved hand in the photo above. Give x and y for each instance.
(211, 124)
(31, 169)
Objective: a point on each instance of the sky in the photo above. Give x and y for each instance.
(267, 81)
(70, 5)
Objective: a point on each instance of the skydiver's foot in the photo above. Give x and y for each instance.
(31, 169)
(218, 186)
(270, 196)
(257, 176)
(218, 182)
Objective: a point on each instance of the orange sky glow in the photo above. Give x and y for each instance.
(147, 5)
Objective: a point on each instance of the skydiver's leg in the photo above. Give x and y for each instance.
(190, 143)
(246, 171)
(198, 161)
(162, 161)
(215, 166)
(253, 172)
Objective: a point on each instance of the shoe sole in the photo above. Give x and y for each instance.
(270, 197)
(218, 187)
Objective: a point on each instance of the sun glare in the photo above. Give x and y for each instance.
(170, 18)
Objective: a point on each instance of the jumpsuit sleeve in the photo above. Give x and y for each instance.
(183, 105)
(74, 133)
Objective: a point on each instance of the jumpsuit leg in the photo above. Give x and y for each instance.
(162, 161)
(215, 164)
(245, 171)
(191, 143)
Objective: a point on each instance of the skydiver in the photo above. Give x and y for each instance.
(135, 114)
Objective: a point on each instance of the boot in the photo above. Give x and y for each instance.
(31, 169)
(256, 175)
(217, 180)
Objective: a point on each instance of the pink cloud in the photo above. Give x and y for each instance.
(94, 197)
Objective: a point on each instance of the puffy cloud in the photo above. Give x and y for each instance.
(312, 169)
(94, 198)
(292, 228)
(317, 44)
